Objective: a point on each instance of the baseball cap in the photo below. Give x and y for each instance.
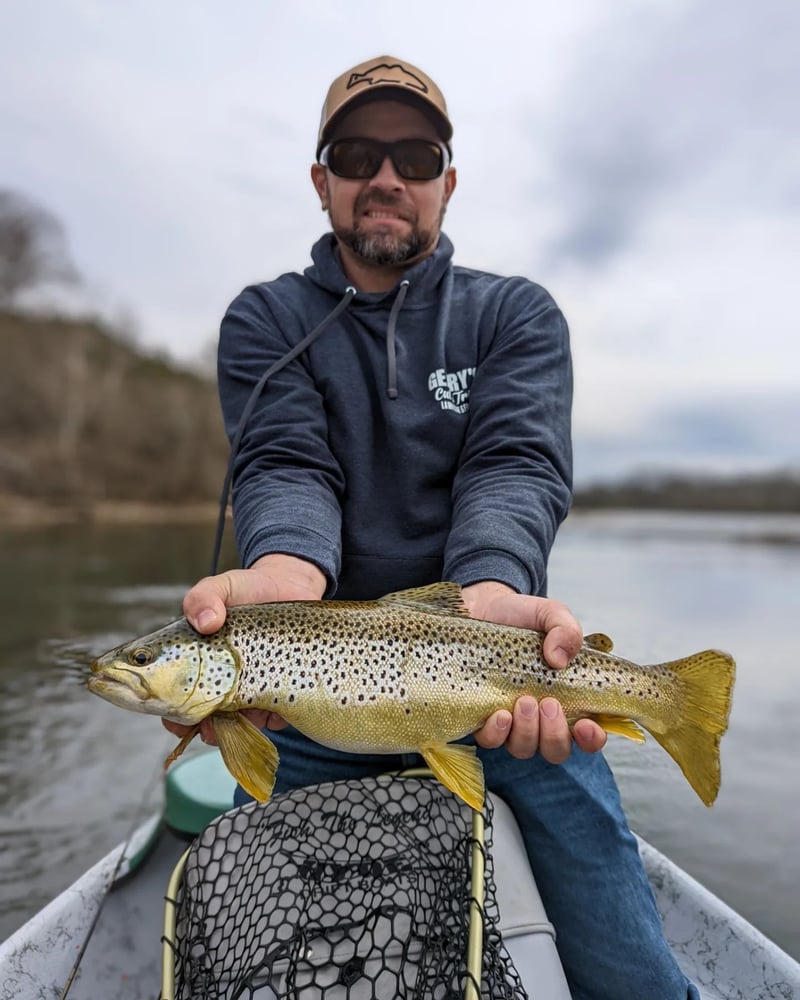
(387, 78)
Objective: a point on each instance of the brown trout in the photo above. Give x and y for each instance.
(410, 672)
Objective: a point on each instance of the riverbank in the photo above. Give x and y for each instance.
(30, 512)
(24, 512)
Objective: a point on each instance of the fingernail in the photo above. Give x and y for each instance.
(528, 709)
(503, 724)
(550, 708)
(206, 619)
(560, 657)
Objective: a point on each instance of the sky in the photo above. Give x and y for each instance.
(640, 159)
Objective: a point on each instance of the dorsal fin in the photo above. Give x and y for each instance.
(435, 599)
(598, 641)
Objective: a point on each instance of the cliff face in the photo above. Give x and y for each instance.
(84, 417)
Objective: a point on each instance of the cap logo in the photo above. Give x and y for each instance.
(387, 73)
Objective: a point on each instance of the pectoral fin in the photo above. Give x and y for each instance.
(620, 727)
(458, 768)
(250, 757)
(184, 743)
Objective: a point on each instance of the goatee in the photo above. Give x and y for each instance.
(383, 249)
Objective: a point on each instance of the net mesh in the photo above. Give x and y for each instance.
(351, 890)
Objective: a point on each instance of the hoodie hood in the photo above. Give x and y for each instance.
(421, 280)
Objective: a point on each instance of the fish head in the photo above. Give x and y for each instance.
(176, 673)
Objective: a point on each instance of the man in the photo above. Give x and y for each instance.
(424, 434)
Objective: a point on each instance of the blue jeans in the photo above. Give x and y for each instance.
(583, 855)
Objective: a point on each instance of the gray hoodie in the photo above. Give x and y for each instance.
(424, 435)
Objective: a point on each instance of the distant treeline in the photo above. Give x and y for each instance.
(777, 492)
(86, 418)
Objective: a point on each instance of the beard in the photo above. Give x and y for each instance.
(385, 249)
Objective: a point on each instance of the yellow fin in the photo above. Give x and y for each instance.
(618, 726)
(458, 768)
(599, 641)
(435, 599)
(706, 690)
(250, 757)
(184, 743)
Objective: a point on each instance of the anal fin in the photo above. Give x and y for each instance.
(250, 757)
(458, 769)
(619, 726)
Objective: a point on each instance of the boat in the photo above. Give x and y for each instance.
(105, 936)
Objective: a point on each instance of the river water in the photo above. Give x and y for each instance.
(75, 772)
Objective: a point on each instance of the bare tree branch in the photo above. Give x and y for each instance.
(33, 248)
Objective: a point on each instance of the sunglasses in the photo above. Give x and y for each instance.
(361, 159)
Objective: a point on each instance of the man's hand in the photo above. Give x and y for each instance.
(533, 727)
(274, 577)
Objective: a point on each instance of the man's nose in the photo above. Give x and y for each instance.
(387, 176)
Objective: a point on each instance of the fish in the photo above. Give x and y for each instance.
(410, 672)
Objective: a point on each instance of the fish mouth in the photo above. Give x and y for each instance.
(104, 679)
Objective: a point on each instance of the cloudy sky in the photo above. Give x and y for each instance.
(641, 159)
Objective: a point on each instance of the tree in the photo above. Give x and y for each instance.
(33, 247)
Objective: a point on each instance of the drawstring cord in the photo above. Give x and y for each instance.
(391, 350)
(273, 369)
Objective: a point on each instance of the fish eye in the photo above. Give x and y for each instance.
(141, 656)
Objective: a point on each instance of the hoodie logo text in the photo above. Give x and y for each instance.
(451, 389)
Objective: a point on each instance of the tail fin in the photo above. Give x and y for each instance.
(707, 689)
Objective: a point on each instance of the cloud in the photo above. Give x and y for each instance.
(688, 103)
(726, 433)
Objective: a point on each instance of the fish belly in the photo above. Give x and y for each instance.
(417, 696)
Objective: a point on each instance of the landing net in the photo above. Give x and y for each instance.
(352, 890)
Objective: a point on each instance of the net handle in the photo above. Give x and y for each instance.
(472, 986)
(168, 944)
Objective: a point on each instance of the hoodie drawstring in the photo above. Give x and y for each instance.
(273, 369)
(391, 349)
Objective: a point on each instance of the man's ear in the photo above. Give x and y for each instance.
(319, 178)
(449, 183)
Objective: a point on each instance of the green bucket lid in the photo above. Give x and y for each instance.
(198, 789)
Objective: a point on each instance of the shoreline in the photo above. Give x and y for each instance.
(24, 512)
(28, 512)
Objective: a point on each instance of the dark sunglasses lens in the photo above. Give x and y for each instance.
(417, 160)
(360, 159)
(354, 159)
